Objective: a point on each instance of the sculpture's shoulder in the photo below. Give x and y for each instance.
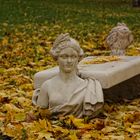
(50, 83)
(89, 79)
(92, 83)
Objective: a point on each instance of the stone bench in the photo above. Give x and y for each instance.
(119, 79)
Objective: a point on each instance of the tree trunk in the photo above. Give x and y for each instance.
(136, 3)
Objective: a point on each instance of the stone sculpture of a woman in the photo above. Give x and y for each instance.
(67, 93)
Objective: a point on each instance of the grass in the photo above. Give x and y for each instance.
(91, 13)
(90, 16)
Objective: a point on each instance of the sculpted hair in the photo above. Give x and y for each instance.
(63, 41)
(120, 32)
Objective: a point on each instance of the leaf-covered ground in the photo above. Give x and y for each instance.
(27, 31)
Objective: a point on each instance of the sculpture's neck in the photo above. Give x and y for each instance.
(66, 77)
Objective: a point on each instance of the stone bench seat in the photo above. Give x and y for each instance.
(119, 79)
(112, 73)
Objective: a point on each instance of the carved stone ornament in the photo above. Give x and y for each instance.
(119, 38)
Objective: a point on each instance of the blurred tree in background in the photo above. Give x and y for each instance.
(136, 3)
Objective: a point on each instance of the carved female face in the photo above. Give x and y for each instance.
(68, 60)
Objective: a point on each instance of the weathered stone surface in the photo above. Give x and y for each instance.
(111, 73)
(119, 38)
